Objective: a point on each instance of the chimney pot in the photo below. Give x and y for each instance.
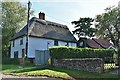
(42, 15)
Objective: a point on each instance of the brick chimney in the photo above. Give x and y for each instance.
(42, 15)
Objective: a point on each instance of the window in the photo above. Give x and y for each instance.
(81, 43)
(16, 54)
(67, 44)
(13, 43)
(55, 42)
(21, 41)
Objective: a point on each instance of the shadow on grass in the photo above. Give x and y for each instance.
(83, 74)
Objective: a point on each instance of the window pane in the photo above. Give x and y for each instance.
(16, 54)
(56, 42)
(21, 41)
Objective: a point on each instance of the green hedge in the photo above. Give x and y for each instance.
(62, 52)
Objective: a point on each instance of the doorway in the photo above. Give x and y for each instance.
(23, 55)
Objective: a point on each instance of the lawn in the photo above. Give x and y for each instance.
(54, 72)
(12, 68)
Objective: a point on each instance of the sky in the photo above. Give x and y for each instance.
(66, 11)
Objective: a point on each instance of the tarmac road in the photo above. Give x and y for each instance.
(23, 77)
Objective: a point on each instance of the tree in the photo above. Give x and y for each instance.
(108, 25)
(14, 16)
(83, 27)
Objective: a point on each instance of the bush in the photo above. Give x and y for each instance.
(62, 52)
(118, 56)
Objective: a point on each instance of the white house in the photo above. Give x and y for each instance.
(42, 35)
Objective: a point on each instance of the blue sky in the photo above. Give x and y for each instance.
(65, 11)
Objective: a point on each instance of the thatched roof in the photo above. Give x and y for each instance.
(46, 29)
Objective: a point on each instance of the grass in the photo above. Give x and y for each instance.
(54, 72)
(34, 71)
(83, 74)
(13, 68)
(46, 72)
(9, 67)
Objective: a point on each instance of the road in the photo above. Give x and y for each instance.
(23, 77)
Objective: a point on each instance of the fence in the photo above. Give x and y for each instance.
(111, 64)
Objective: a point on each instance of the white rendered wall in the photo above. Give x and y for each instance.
(42, 44)
(38, 44)
(18, 47)
(34, 44)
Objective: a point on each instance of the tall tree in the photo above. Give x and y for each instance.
(108, 25)
(83, 27)
(14, 16)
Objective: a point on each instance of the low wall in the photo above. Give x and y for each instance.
(85, 64)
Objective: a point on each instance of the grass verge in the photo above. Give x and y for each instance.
(55, 72)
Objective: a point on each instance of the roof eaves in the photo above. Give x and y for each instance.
(53, 38)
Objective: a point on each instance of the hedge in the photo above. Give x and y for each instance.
(62, 52)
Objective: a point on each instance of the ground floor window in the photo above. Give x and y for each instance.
(67, 44)
(16, 54)
(55, 42)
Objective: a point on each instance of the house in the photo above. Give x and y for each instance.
(42, 35)
(95, 43)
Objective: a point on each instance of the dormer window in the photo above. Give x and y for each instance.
(21, 41)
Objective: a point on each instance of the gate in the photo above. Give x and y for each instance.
(41, 57)
(110, 64)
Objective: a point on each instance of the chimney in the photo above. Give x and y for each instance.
(42, 15)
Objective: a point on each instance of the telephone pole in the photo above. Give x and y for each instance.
(27, 35)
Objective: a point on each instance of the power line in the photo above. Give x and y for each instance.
(58, 19)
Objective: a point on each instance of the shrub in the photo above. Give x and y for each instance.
(62, 52)
(118, 57)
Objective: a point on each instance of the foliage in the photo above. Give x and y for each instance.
(68, 52)
(83, 27)
(118, 56)
(14, 16)
(108, 25)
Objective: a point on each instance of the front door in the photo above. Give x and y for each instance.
(23, 55)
